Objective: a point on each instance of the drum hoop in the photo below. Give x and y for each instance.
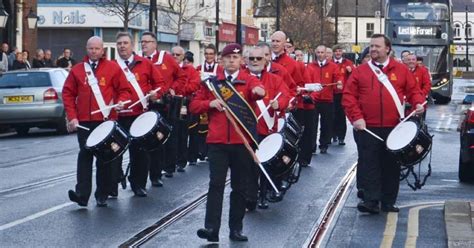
(115, 124)
(418, 128)
(279, 149)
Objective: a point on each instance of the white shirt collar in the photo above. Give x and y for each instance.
(384, 63)
(207, 64)
(151, 55)
(96, 63)
(269, 67)
(338, 60)
(234, 75)
(323, 62)
(130, 59)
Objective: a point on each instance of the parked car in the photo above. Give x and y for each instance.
(32, 98)
(466, 154)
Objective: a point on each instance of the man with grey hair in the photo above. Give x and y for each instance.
(38, 61)
(88, 86)
(273, 85)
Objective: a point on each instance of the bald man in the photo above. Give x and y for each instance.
(81, 96)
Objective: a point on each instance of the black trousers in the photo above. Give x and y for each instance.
(164, 158)
(84, 167)
(139, 158)
(182, 135)
(324, 114)
(377, 171)
(170, 151)
(306, 119)
(340, 126)
(197, 145)
(238, 159)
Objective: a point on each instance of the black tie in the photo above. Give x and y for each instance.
(93, 65)
(148, 57)
(321, 64)
(380, 66)
(229, 78)
(126, 62)
(209, 67)
(337, 62)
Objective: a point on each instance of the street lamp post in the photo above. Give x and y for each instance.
(322, 22)
(217, 25)
(277, 15)
(3, 15)
(357, 23)
(467, 38)
(336, 14)
(152, 17)
(238, 37)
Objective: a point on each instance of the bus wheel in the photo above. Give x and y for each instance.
(442, 100)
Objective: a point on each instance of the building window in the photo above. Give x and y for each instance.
(468, 31)
(346, 31)
(457, 31)
(209, 31)
(369, 29)
(264, 30)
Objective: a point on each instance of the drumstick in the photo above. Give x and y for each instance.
(109, 107)
(246, 143)
(410, 115)
(145, 97)
(373, 134)
(269, 105)
(82, 127)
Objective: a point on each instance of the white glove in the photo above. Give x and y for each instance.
(314, 87)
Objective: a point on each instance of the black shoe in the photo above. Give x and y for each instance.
(123, 182)
(180, 169)
(101, 201)
(251, 205)
(304, 164)
(368, 207)
(192, 163)
(284, 186)
(342, 143)
(169, 174)
(334, 139)
(157, 182)
(263, 204)
(209, 234)
(74, 197)
(324, 150)
(237, 236)
(139, 191)
(114, 192)
(389, 208)
(360, 194)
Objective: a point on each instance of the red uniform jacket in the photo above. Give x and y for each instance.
(221, 130)
(343, 72)
(422, 77)
(219, 68)
(173, 75)
(366, 98)
(292, 66)
(148, 77)
(193, 81)
(79, 101)
(281, 71)
(273, 85)
(326, 75)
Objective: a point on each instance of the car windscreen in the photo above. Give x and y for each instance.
(25, 80)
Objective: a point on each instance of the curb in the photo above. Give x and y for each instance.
(458, 217)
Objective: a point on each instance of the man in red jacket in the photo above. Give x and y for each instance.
(369, 105)
(143, 78)
(327, 74)
(268, 124)
(181, 128)
(345, 67)
(175, 79)
(79, 102)
(421, 74)
(210, 65)
(226, 147)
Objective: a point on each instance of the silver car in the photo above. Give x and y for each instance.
(32, 98)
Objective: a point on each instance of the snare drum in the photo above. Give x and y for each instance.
(277, 155)
(409, 142)
(290, 128)
(150, 131)
(108, 141)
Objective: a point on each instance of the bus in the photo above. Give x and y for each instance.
(423, 27)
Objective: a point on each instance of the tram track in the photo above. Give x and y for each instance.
(324, 222)
(41, 157)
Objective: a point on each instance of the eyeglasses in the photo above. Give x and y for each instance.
(147, 41)
(176, 54)
(255, 58)
(208, 53)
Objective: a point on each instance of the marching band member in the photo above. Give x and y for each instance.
(89, 86)
(175, 79)
(192, 85)
(268, 124)
(373, 101)
(210, 65)
(143, 78)
(226, 147)
(327, 74)
(345, 67)
(421, 74)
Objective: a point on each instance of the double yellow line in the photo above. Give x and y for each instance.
(412, 225)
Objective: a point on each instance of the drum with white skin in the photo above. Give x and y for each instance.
(277, 155)
(409, 142)
(108, 141)
(150, 131)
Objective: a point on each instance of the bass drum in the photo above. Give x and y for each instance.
(108, 141)
(409, 142)
(150, 131)
(277, 155)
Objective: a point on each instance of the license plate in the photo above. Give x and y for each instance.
(18, 99)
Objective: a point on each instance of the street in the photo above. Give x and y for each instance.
(36, 172)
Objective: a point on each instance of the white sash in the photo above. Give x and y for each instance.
(94, 84)
(270, 121)
(160, 57)
(133, 81)
(384, 80)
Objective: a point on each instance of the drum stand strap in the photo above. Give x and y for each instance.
(418, 184)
